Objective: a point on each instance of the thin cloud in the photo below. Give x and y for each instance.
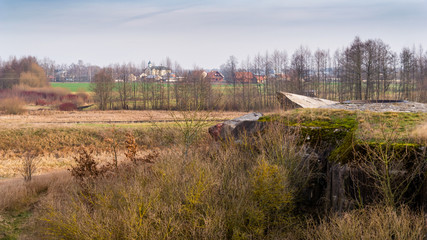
(198, 32)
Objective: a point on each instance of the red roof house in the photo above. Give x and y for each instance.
(215, 76)
(244, 77)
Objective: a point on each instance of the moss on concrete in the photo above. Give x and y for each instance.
(339, 130)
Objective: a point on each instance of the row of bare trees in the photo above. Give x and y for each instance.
(115, 88)
(364, 70)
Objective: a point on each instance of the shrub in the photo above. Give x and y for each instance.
(68, 106)
(12, 105)
(86, 169)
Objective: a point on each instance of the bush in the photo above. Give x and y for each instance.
(68, 106)
(272, 196)
(12, 105)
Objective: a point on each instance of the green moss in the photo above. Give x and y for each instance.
(344, 152)
(339, 130)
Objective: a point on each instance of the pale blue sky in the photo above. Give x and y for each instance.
(202, 33)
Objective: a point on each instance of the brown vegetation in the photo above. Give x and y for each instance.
(221, 192)
(420, 133)
(253, 188)
(376, 222)
(13, 105)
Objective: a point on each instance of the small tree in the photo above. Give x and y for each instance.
(113, 141)
(391, 167)
(29, 164)
(29, 154)
(102, 86)
(86, 169)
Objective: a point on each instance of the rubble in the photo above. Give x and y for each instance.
(290, 101)
(246, 124)
(398, 106)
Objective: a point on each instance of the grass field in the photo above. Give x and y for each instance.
(212, 190)
(73, 87)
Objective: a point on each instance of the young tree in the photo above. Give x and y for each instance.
(300, 67)
(103, 85)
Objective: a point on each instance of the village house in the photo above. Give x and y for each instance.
(156, 72)
(244, 77)
(215, 77)
(260, 78)
(129, 78)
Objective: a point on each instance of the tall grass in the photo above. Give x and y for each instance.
(17, 195)
(220, 191)
(12, 105)
(250, 189)
(419, 133)
(376, 222)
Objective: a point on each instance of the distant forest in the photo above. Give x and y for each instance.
(364, 70)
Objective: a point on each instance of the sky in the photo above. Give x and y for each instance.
(202, 33)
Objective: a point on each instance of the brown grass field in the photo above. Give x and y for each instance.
(212, 190)
(59, 118)
(78, 121)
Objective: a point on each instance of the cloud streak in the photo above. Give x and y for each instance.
(135, 30)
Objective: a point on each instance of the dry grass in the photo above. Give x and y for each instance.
(10, 163)
(219, 190)
(17, 194)
(12, 106)
(420, 133)
(45, 119)
(60, 143)
(371, 223)
(216, 192)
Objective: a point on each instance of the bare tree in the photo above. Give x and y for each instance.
(300, 68)
(102, 86)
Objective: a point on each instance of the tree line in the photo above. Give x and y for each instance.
(364, 70)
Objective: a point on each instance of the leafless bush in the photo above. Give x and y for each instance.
(29, 164)
(390, 166)
(12, 105)
(29, 155)
(282, 145)
(86, 169)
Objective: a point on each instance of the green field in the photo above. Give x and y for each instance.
(73, 86)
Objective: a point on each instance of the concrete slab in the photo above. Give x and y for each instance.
(292, 100)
